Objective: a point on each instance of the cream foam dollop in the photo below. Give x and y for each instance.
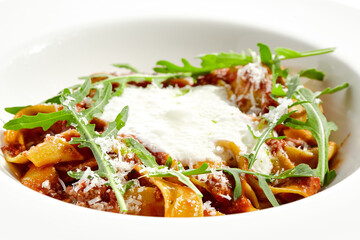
(184, 124)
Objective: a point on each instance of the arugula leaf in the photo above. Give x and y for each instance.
(312, 74)
(286, 53)
(126, 187)
(263, 137)
(292, 83)
(204, 168)
(267, 191)
(180, 166)
(78, 174)
(252, 132)
(88, 134)
(329, 177)
(265, 54)
(238, 186)
(126, 66)
(224, 60)
(277, 89)
(119, 123)
(168, 67)
(102, 98)
(44, 120)
(301, 170)
(75, 175)
(55, 99)
(168, 163)
(149, 161)
(317, 124)
(15, 110)
(279, 72)
(145, 157)
(332, 90)
(209, 62)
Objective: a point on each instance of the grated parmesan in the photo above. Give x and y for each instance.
(121, 167)
(62, 184)
(225, 196)
(276, 113)
(90, 179)
(207, 207)
(254, 72)
(46, 184)
(133, 204)
(94, 200)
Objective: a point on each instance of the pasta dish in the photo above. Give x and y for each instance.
(236, 134)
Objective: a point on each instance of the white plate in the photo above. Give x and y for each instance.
(46, 45)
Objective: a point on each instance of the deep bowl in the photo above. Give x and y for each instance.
(38, 66)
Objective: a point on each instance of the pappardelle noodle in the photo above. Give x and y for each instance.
(236, 134)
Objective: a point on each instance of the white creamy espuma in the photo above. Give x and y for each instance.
(186, 125)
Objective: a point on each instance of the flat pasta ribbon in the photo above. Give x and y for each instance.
(144, 201)
(180, 201)
(53, 150)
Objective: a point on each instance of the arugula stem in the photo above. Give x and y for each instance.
(103, 164)
(283, 175)
(322, 139)
(259, 143)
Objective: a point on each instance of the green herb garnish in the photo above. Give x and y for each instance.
(265, 135)
(126, 66)
(286, 53)
(15, 110)
(316, 122)
(312, 74)
(209, 62)
(87, 131)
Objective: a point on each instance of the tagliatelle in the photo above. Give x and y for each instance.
(40, 178)
(179, 201)
(237, 139)
(147, 201)
(17, 137)
(53, 150)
